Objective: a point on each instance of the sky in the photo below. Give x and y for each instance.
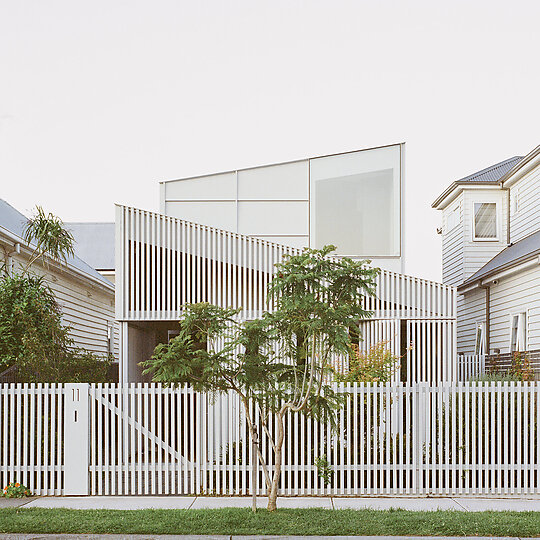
(101, 100)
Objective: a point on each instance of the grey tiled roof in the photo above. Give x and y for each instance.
(94, 243)
(13, 221)
(493, 173)
(514, 254)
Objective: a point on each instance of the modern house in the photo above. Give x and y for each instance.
(219, 236)
(490, 252)
(84, 295)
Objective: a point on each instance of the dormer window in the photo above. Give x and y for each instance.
(485, 221)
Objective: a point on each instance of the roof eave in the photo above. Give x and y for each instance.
(531, 160)
(73, 270)
(454, 190)
(531, 259)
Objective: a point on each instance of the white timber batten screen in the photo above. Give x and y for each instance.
(165, 262)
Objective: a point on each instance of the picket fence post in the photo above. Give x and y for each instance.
(76, 439)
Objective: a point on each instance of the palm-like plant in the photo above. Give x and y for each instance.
(50, 237)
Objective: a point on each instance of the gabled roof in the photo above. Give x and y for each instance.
(12, 221)
(94, 243)
(487, 176)
(522, 251)
(493, 173)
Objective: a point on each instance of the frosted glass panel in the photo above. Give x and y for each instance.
(355, 202)
(276, 218)
(216, 214)
(287, 181)
(215, 186)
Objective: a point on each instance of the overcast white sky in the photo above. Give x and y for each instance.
(99, 100)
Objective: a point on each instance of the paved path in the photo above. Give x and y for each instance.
(376, 503)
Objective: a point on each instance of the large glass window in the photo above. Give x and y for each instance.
(355, 202)
(485, 221)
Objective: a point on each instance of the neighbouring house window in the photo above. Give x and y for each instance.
(171, 334)
(110, 339)
(518, 332)
(453, 219)
(485, 221)
(480, 344)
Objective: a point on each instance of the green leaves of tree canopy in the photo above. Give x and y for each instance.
(276, 364)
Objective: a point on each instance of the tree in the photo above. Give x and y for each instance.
(285, 355)
(32, 335)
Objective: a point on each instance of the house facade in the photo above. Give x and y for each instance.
(86, 298)
(490, 252)
(218, 238)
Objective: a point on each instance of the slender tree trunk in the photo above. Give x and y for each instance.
(272, 495)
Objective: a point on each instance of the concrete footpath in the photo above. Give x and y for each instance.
(330, 503)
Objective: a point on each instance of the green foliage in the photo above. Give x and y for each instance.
(31, 328)
(47, 232)
(14, 490)
(33, 337)
(378, 364)
(278, 363)
(325, 471)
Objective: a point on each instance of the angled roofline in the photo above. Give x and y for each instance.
(479, 277)
(280, 163)
(522, 167)
(469, 180)
(64, 265)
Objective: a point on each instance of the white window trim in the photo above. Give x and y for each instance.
(521, 337)
(496, 239)
(480, 347)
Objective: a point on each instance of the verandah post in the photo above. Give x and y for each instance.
(76, 439)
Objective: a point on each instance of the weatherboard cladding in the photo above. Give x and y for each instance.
(520, 251)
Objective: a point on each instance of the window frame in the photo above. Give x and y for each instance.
(480, 338)
(519, 344)
(497, 232)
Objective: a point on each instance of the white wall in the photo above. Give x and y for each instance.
(453, 244)
(527, 219)
(276, 202)
(478, 253)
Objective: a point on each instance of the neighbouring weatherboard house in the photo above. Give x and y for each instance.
(219, 236)
(86, 297)
(490, 252)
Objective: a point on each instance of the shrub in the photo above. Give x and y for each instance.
(14, 490)
(377, 364)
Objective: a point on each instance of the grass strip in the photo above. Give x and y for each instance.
(311, 521)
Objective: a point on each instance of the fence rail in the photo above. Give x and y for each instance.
(421, 439)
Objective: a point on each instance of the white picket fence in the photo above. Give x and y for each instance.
(422, 439)
(470, 366)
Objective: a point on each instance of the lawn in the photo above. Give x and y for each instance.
(284, 522)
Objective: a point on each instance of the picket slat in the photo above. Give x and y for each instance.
(423, 439)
